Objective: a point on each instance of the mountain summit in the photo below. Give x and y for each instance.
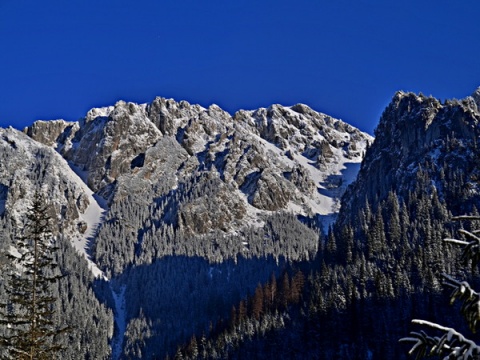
(421, 136)
(271, 159)
(178, 199)
(170, 214)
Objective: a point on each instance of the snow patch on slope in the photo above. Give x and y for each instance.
(326, 201)
(120, 321)
(92, 217)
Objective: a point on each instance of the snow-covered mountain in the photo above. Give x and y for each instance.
(180, 210)
(132, 184)
(421, 141)
(27, 166)
(280, 158)
(254, 163)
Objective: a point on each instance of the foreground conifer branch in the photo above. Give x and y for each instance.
(449, 343)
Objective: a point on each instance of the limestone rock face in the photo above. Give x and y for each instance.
(215, 208)
(304, 130)
(27, 166)
(415, 136)
(108, 140)
(192, 125)
(301, 179)
(48, 132)
(156, 157)
(155, 174)
(271, 192)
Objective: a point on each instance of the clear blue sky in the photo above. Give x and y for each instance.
(60, 58)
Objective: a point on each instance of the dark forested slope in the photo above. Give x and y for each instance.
(380, 264)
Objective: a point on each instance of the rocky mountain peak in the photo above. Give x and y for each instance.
(174, 165)
(169, 115)
(47, 132)
(94, 113)
(416, 133)
(476, 97)
(107, 140)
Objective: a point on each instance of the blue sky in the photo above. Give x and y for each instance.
(60, 58)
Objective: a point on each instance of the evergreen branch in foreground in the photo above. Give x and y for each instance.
(451, 344)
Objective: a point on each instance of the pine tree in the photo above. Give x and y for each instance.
(257, 302)
(447, 342)
(28, 313)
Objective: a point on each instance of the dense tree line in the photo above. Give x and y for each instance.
(443, 341)
(139, 230)
(177, 282)
(178, 296)
(252, 319)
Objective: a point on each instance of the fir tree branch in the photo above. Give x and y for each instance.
(450, 344)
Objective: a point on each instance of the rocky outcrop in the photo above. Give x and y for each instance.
(107, 142)
(271, 192)
(27, 166)
(476, 97)
(416, 136)
(216, 208)
(301, 129)
(265, 160)
(48, 132)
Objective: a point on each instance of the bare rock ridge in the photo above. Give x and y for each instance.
(415, 137)
(112, 143)
(183, 209)
(31, 162)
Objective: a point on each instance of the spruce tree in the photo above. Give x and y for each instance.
(27, 315)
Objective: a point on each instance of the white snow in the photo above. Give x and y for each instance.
(295, 208)
(99, 112)
(92, 216)
(321, 204)
(14, 252)
(325, 202)
(120, 321)
(252, 215)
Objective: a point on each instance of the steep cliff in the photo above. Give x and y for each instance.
(420, 136)
(280, 158)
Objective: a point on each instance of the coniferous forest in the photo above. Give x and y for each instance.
(206, 244)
